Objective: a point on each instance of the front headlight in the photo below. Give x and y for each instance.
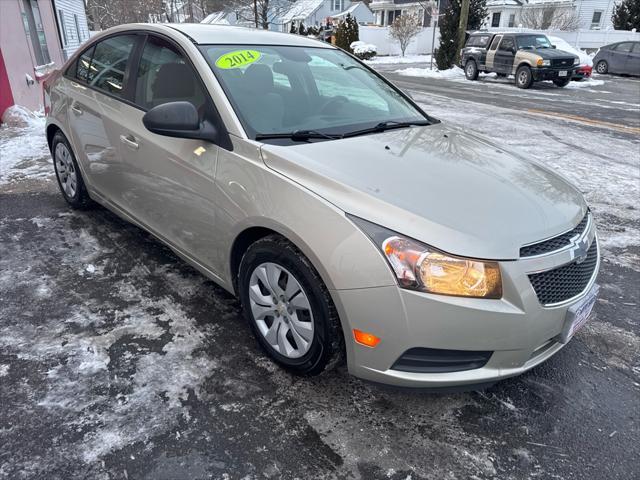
(576, 61)
(420, 267)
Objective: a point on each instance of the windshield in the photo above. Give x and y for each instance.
(533, 41)
(281, 89)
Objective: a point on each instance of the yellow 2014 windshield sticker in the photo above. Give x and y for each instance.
(237, 59)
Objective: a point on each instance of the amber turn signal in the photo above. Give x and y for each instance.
(366, 339)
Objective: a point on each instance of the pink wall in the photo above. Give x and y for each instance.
(17, 50)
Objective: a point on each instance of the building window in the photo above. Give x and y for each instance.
(596, 19)
(393, 14)
(512, 20)
(75, 19)
(495, 19)
(35, 31)
(63, 27)
(336, 5)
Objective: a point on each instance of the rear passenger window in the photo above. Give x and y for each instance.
(109, 64)
(624, 47)
(507, 45)
(164, 76)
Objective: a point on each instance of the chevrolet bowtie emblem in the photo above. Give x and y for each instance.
(581, 250)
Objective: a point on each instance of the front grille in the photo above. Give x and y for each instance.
(563, 283)
(562, 62)
(555, 243)
(435, 360)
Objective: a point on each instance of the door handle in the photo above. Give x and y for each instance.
(75, 109)
(129, 141)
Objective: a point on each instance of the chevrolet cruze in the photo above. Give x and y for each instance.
(348, 221)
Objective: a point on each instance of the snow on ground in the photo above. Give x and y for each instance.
(23, 149)
(451, 73)
(396, 59)
(588, 83)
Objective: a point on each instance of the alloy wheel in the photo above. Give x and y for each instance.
(280, 307)
(66, 170)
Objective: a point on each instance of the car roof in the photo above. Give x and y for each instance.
(225, 34)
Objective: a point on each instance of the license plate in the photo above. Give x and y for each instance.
(562, 73)
(578, 314)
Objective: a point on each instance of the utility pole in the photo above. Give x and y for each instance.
(462, 28)
(434, 14)
(255, 11)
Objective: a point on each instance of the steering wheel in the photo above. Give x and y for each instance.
(333, 105)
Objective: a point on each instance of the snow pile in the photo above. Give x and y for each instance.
(590, 82)
(364, 50)
(451, 73)
(395, 59)
(23, 146)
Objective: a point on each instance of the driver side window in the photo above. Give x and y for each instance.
(507, 45)
(165, 76)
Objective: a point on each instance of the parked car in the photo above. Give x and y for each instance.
(585, 68)
(620, 57)
(529, 56)
(346, 219)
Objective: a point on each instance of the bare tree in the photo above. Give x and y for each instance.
(261, 13)
(404, 28)
(550, 17)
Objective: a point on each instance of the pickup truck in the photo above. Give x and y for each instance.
(530, 57)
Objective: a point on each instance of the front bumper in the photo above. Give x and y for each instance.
(552, 73)
(519, 331)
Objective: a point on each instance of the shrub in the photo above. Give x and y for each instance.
(362, 50)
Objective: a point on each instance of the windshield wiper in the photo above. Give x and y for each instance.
(298, 135)
(387, 125)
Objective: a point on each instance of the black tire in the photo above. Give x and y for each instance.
(524, 77)
(602, 67)
(78, 197)
(471, 70)
(326, 349)
(562, 83)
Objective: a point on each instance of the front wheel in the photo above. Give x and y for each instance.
(562, 82)
(602, 67)
(471, 70)
(288, 307)
(524, 78)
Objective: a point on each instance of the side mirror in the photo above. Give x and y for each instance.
(553, 46)
(178, 119)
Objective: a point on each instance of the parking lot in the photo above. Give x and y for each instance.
(118, 361)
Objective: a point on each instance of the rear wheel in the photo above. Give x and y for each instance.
(288, 307)
(562, 82)
(524, 78)
(68, 174)
(471, 70)
(602, 67)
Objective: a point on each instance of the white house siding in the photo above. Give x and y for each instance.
(586, 8)
(70, 35)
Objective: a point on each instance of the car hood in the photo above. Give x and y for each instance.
(450, 189)
(551, 53)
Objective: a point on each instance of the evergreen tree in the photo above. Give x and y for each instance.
(626, 15)
(446, 53)
(301, 29)
(347, 33)
(293, 28)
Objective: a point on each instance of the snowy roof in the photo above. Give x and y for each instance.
(555, 2)
(300, 10)
(350, 10)
(216, 17)
(500, 3)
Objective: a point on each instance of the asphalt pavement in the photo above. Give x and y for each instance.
(118, 361)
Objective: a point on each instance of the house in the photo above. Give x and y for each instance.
(321, 13)
(550, 14)
(386, 11)
(358, 10)
(178, 11)
(71, 17)
(36, 37)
